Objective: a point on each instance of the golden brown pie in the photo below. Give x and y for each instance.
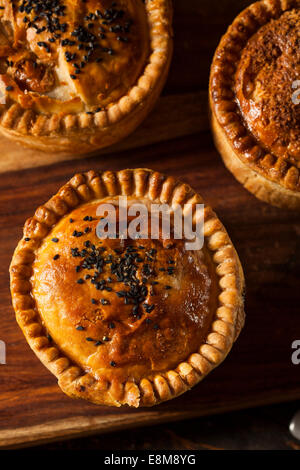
(125, 321)
(78, 75)
(255, 100)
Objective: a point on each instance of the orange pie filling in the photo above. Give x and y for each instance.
(122, 308)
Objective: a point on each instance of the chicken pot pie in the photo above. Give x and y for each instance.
(125, 321)
(79, 75)
(255, 100)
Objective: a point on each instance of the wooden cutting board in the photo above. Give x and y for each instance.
(259, 369)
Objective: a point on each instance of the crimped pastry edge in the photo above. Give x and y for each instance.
(265, 190)
(222, 99)
(84, 133)
(152, 390)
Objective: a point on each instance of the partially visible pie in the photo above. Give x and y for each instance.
(125, 321)
(255, 100)
(79, 75)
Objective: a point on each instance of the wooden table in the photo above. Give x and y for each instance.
(259, 369)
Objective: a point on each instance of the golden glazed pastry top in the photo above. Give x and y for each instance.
(253, 91)
(269, 66)
(71, 55)
(133, 321)
(122, 308)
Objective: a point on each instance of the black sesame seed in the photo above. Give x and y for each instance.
(55, 257)
(79, 328)
(55, 240)
(113, 364)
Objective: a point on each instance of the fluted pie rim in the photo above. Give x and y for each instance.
(227, 321)
(20, 122)
(222, 100)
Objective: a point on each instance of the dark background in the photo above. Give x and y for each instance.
(263, 428)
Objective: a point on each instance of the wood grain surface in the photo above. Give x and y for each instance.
(174, 116)
(259, 369)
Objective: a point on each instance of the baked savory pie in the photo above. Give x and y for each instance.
(78, 75)
(255, 100)
(125, 321)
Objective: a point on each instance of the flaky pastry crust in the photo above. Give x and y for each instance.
(77, 76)
(132, 381)
(255, 120)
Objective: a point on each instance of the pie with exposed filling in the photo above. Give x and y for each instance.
(126, 321)
(255, 100)
(79, 75)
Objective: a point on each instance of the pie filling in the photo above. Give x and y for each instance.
(71, 55)
(264, 86)
(118, 307)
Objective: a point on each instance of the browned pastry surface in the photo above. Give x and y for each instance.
(143, 306)
(64, 64)
(90, 58)
(255, 120)
(125, 321)
(264, 86)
